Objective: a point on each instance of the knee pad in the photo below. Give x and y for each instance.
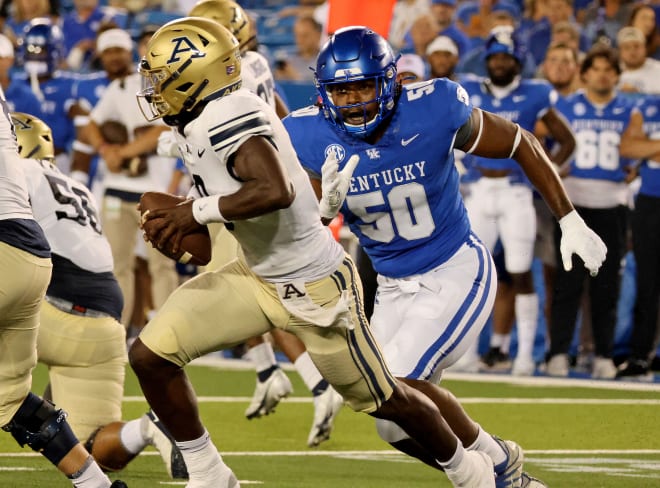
(390, 432)
(104, 444)
(44, 428)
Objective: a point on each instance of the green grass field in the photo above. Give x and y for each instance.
(574, 436)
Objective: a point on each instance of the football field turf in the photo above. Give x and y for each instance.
(575, 433)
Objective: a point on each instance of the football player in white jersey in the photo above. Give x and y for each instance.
(80, 337)
(25, 270)
(295, 276)
(272, 383)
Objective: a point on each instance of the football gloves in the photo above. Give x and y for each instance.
(334, 184)
(577, 238)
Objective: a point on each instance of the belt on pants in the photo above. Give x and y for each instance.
(73, 309)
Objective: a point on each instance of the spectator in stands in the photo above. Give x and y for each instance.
(503, 16)
(604, 19)
(640, 73)
(442, 56)
(410, 69)
(443, 11)
(561, 68)
(424, 29)
(646, 239)
(81, 26)
(541, 35)
(596, 184)
(296, 66)
(16, 15)
(643, 17)
(404, 14)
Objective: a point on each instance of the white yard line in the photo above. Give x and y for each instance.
(477, 400)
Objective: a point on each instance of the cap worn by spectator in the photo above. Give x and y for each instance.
(411, 63)
(628, 34)
(442, 43)
(451, 3)
(6, 47)
(114, 38)
(507, 8)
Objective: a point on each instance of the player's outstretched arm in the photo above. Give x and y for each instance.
(492, 136)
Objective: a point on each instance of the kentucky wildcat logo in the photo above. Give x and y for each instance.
(184, 45)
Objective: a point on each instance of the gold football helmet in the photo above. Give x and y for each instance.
(34, 137)
(188, 61)
(227, 13)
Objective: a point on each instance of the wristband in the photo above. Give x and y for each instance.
(83, 148)
(207, 209)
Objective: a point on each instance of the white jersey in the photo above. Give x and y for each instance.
(257, 77)
(67, 212)
(14, 202)
(119, 103)
(280, 246)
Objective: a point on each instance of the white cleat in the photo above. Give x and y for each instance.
(224, 478)
(158, 436)
(557, 365)
(603, 369)
(531, 482)
(523, 367)
(326, 408)
(508, 474)
(268, 394)
(476, 472)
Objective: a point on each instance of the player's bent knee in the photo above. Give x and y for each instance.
(390, 432)
(106, 447)
(44, 428)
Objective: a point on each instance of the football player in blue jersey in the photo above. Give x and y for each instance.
(498, 196)
(596, 183)
(41, 52)
(402, 200)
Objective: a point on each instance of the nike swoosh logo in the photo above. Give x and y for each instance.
(405, 142)
(518, 98)
(200, 152)
(617, 111)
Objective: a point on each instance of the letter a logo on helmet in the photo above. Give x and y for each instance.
(184, 45)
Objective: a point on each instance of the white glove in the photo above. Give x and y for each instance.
(334, 184)
(167, 145)
(577, 238)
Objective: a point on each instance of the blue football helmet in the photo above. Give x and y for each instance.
(41, 47)
(352, 54)
(504, 39)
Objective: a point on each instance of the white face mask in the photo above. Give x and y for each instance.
(36, 67)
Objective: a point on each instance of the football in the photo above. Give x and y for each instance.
(195, 246)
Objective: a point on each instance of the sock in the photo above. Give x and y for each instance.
(500, 341)
(89, 476)
(527, 312)
(485, 443)
(131, 436)
(201, 457)
(320, 388)
(262, 356)
(455, 461)
(307, 371)
(265, 374)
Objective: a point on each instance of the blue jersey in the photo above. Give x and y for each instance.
(650, 170)
(87, 89)
(524, 105)
(598, 131)
(20, 98)
(57, 95)
(403, 202)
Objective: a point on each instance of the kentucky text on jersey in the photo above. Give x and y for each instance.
(387, 177)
